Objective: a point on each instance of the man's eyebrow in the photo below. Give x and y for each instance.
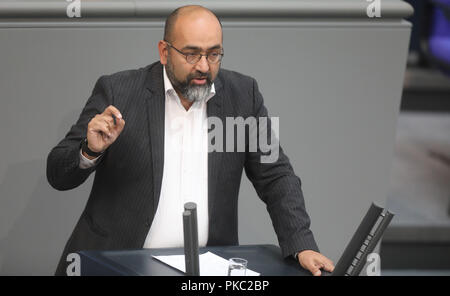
(192, 47)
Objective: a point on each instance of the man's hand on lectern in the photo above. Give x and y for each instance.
(314, 261)
(104, 129)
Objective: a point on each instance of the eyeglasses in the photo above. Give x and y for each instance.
(192, 58)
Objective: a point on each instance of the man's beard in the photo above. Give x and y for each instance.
(192, 92)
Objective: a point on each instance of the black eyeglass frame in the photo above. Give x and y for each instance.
(198, 56)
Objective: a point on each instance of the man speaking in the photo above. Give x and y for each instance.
(144, 133)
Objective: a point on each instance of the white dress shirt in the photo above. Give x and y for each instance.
(185, 173)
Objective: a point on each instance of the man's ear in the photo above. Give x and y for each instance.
(163, 51)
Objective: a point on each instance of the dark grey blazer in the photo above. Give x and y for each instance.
(127, 183)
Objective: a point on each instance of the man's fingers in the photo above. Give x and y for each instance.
(313, 267)
(104, 129)
(319, 263)
(120, 124)
(108, 122)
(111, 110)
(117, 128)
(104, 123)
(315, 270)
(329, 266)
(100, 126)
(324, 263)
(314, 262)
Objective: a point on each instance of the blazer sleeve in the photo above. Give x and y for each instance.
(280, 189)
(63, 161)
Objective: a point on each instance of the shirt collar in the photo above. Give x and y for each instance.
(168, 87)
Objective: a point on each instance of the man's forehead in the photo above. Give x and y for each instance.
(198, 48)
(197, 40)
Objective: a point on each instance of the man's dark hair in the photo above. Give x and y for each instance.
(171, 19)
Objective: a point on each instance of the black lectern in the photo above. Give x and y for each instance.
(265, 259)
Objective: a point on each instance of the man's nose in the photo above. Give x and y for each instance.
(202, 65)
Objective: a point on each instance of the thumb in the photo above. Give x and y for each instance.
(315, 271)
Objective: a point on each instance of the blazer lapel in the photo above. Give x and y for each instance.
(156, 117)
(214, 108)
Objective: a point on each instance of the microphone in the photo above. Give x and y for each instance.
(190, 230)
